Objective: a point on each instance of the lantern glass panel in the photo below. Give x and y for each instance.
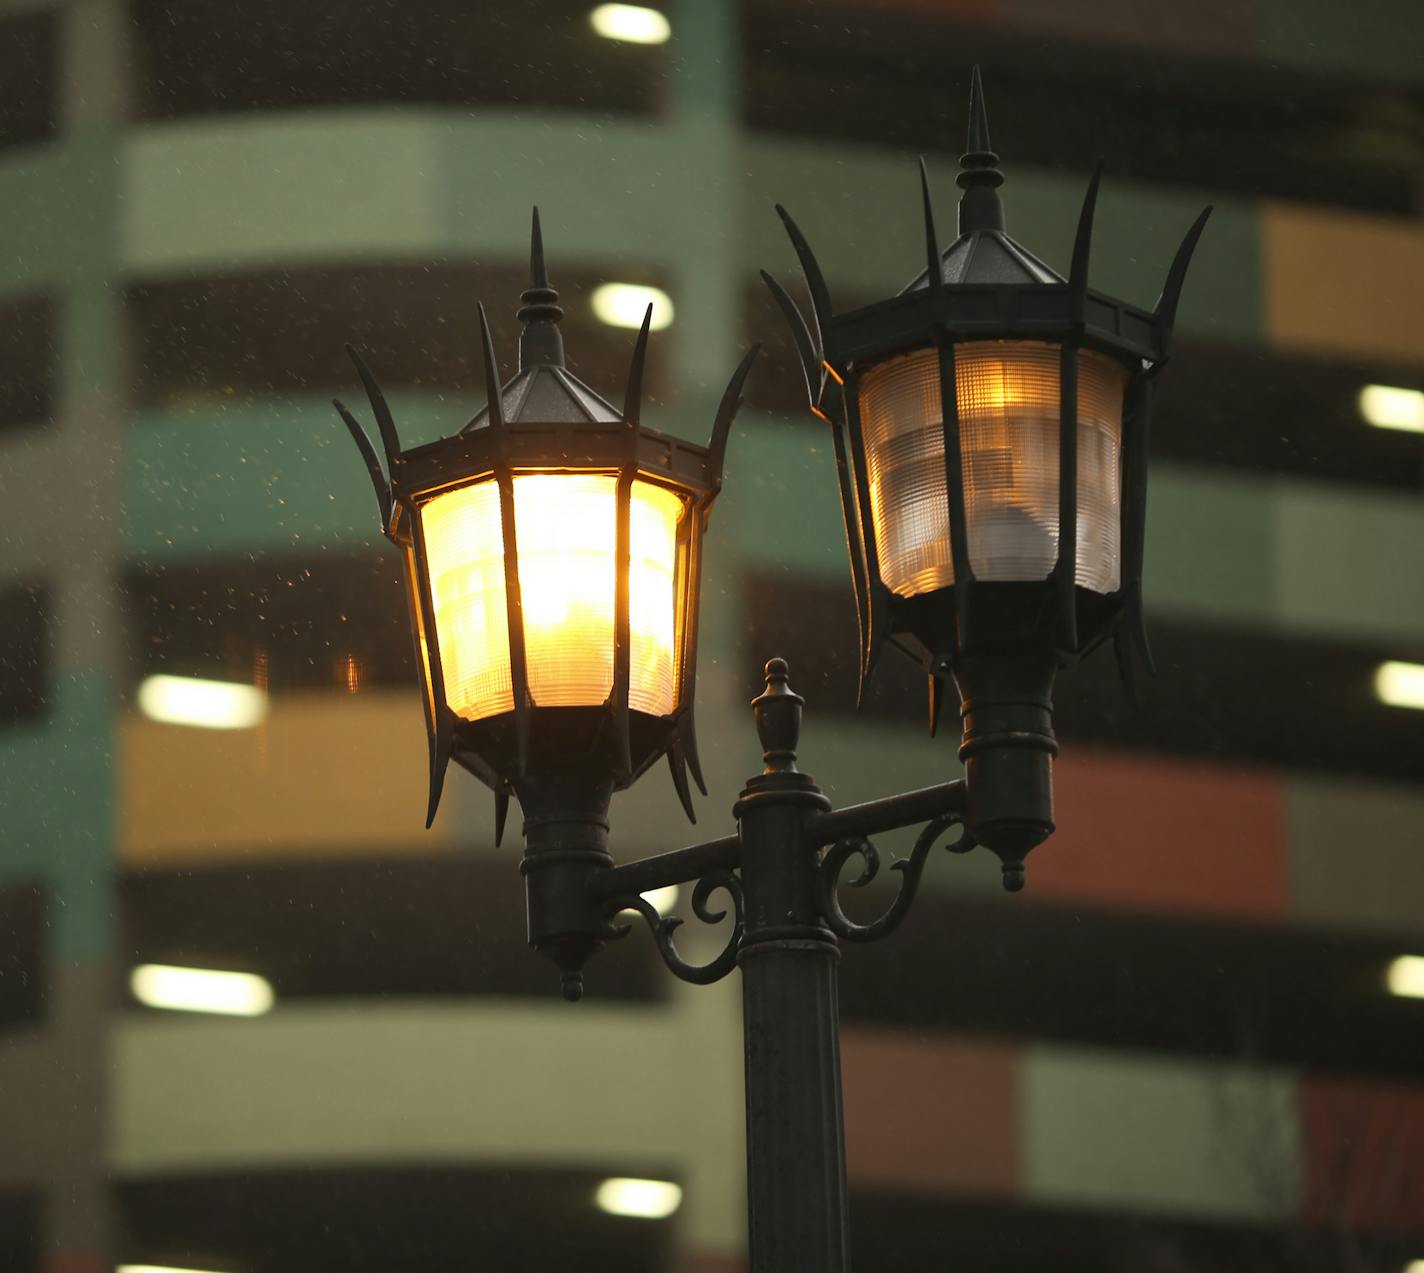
(566, 526)
(1008, 426)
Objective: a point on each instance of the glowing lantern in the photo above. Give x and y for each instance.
(553, 557)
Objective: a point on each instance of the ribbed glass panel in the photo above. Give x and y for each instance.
(465, 545)
(1008, 426)
(566, 526)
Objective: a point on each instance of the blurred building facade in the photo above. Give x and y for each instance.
(1176, 1050)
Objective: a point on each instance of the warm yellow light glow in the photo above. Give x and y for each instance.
(186, 700)
(157, 1268)
(1400, 685)
(1387, 407)
(1008, 407)
(662, 899)
(566, 528)
(234, 994)
(1406, 979)
(1414, 1266)
(644, 1199)
(631, 23)
(623, 305)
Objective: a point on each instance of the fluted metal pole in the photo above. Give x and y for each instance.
(796, 1191)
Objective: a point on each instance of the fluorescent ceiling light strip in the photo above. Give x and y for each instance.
(233, 994)
(189, 700)
(157, 1268)
(623, 305)
(631, 23)
(1400, 685)
(640, 1199)
(1406, 979)
(1389, 407)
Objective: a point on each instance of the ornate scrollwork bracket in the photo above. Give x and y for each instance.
(663, 926)
(833, 863)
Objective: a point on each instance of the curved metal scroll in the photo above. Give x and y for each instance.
(663, 927)
(910, 868)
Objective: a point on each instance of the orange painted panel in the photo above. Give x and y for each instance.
(1363, 1145)
(1343, 283)
(1165, 834)
(930, 1114)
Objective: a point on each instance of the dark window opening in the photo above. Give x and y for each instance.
(24, 654)
(22, 964)
(411, 926)
(204, 340)
(28, 90)
(336, 621)
(871, 75)
(274, 55)
(27, 348)
(1228, 694)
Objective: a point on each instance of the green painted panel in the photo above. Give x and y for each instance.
(55, 210)
(1211, 545)
(1130, 1131)
(1373, 39)
(56, 788)
(261, 474)
(1351, 562)
(215, 194)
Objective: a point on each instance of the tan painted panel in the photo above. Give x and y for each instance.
(323, 773)
(1356, 853)
(1343, 284)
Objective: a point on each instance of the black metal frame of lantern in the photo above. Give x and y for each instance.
(783, 865)
(1002, 640)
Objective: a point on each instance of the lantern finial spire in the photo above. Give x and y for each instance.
(979, 175)
(540, 342)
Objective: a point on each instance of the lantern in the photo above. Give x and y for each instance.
(990, 426)
(553, 552)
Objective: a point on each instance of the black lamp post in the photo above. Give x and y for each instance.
(553, 552)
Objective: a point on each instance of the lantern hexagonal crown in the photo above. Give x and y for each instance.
(955, 407)
(552, 553)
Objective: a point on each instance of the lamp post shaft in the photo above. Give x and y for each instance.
(796, 1192)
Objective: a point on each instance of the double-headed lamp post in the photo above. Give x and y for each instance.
(990, 431)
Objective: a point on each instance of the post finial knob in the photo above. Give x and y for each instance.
(778, 719)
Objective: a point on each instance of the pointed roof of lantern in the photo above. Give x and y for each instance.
(543, 390)
(983, 252)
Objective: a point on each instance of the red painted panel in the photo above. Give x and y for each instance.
(1162, 834)
(1363, 1153)
(931, 1114)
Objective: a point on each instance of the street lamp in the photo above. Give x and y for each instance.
(553, 550)
(990, 425)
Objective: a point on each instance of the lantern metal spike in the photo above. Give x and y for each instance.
(978, 141)
(933, 265)
(501, 813)
(633, 397)
(727, 412)
(815, 280)
(390, 439)
(812, 363)
(494, 395)
(677, 766)
(442, 745)
(936, 702)
(689, 750)
(1166, 308)
(379, 482)
(1083, 239)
